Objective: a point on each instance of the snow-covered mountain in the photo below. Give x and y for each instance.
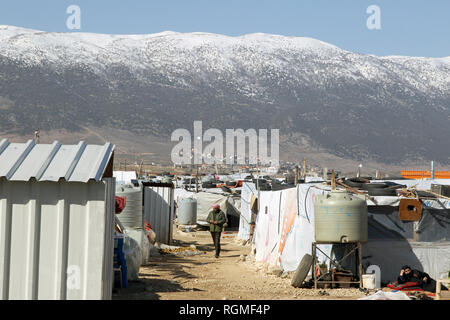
(353, 105)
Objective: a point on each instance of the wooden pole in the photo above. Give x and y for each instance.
(296, 175)
(196, 181)
(333, 180)
(304, 168)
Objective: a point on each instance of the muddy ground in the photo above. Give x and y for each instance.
(233, 276)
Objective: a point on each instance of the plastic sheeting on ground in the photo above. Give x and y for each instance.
(381, 295)
(133, 257)
(140, 236)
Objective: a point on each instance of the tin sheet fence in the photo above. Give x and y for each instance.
(159, 211)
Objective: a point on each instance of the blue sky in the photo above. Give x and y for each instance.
(414, 28)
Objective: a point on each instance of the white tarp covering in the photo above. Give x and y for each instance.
(205, 201)
(284, 229)
(124, 177)
(381, 295)
(390, 256)
(248, 189)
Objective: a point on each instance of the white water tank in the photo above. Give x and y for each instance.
(187, 211)
(340, 217)
(131, 216)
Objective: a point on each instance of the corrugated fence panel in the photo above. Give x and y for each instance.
(158, 210)
(56, 240)
(53, 246)
(108, 273)
(5, 238)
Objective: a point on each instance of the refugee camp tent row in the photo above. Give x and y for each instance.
(284, 231)
(56, 221)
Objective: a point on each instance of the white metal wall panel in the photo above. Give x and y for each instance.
(56, 240)
(108, 262)
(159, 210)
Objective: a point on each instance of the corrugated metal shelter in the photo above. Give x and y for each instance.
(159, 209)
(56, 221)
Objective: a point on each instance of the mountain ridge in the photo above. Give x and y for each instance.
(356, 106)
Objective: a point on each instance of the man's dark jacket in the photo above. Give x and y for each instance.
(417, 276)
(218, 216)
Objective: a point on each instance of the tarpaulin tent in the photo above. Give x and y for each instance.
(228, 204)
(284, 231)
(248, 193)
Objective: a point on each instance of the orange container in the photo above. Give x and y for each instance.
(419, 174)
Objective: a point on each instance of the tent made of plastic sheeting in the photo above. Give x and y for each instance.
(124, 177)
(391, 255)
(284, 231)
(247, 192)
(392, 243)
(228, 204)
(284, 227)
(434, 225)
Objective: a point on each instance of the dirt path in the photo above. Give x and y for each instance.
(200, 277)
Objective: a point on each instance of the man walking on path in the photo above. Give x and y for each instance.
(216, 219)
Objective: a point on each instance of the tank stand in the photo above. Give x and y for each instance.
(357, 249)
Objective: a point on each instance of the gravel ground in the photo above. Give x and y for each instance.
(235, 275)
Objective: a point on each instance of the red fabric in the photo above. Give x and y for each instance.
(120, 204)
(408, 286)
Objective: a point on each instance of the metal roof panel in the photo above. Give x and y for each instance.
(35, 162)
(92, 163)
(52, 162)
